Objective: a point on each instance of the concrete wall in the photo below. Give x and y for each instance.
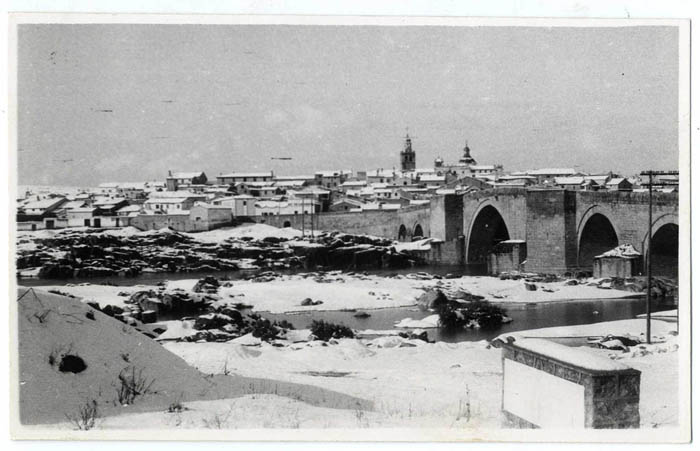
(540, 390)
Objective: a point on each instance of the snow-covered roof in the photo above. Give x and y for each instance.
(517, 177)
(568, 180)
(551, 171)
(483, 167)
(596, 178)
(616, 181)
(245, 175)
(293, 177)
(432, 178)
(348, 201)
(382, 173)
(129, 208)
(73, 204)
(185, 175)
(290, 182)
(109, 201)
(623, 250)
(166, 200)
(175, 194)
(210, 206)
(355, 183)
(337, 173)
(44, 203)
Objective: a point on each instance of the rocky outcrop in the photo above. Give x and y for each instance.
(96, 253)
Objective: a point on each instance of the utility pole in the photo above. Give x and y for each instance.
(651, 184)
(651, 175)
(313, 209)
(303, 212)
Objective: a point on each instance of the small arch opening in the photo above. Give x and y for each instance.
(418, 232)
(402, 233)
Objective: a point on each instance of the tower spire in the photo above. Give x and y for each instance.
(466, 156)
(408, 156)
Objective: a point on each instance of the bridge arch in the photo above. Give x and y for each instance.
(418, 231)
(597, 235)
(487, 228)
(664, 245)
(402, 233)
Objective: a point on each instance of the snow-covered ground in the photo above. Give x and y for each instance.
(433, 385)
(253, 231)
(356, 291)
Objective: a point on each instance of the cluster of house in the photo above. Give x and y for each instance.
(189, 201)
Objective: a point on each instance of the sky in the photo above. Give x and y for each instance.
(118, 102)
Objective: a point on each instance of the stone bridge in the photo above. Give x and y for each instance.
(403, 224)
(563, 230)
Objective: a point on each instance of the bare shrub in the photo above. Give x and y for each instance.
(176, 406)
(218, 420)
(132, 385)
(86, 417)
(465, 406)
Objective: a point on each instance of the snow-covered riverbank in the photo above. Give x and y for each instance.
(285, 293)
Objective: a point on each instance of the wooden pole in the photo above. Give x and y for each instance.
(302, 217)
(649, 262)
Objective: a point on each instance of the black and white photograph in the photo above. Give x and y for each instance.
(349, 228)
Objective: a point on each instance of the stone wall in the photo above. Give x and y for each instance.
(447, 252)
(382, 223)
(180, 223)
(628, 213)
(551, 215)
(507, 257)
(610, 396)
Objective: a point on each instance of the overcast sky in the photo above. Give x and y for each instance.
(129, 102)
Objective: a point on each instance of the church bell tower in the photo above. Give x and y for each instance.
(466, 156)
(408, 156)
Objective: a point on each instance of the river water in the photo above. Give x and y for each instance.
(525, 316)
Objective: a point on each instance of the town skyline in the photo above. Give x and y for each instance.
(230, 98)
